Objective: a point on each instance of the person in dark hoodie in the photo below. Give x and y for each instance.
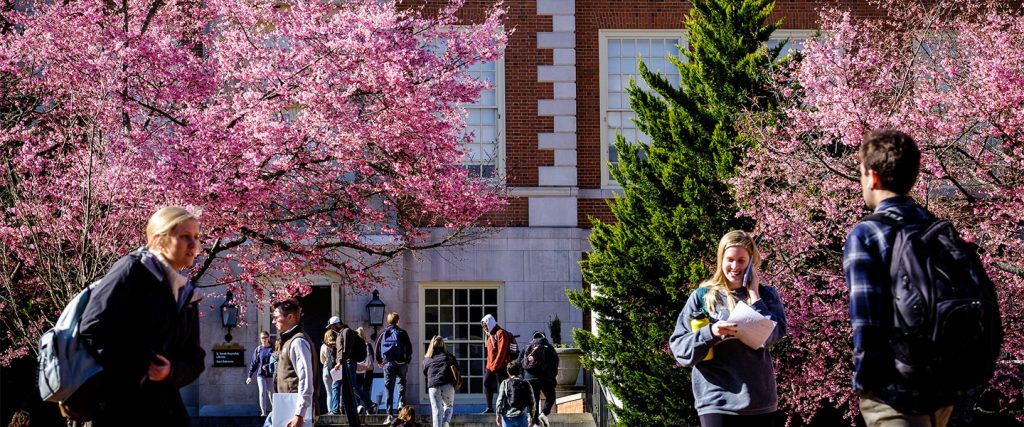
(438, 365)
(541, 367)
(142, 325)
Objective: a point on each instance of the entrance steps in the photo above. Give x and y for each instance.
(458, 420)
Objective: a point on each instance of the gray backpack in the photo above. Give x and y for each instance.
(64, 362)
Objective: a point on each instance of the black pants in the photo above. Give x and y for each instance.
(548, 387)
(348, 400)
(492, 380)
(723, 420)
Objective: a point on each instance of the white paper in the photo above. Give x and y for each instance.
(285, 405)
(752, 328)
(336, 374)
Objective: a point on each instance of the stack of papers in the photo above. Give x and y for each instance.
(752, 328)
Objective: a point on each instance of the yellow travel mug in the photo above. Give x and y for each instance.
(699, 320)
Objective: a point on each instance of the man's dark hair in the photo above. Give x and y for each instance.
(288, 306)
(894, 156)
(514, 368)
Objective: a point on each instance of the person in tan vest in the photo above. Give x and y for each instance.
(296, 368)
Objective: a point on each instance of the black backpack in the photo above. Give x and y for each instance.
(947, 331)
(536, 359)
(520, 393)
(358, 347)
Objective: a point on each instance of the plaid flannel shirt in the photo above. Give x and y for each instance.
(866, 259)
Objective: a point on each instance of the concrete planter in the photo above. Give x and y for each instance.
(568, 366)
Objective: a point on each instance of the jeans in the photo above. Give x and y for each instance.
(266, 387)
(395, 372)
(360, 393)
(520, 421)
(548, 387)
(333, 390)
(442, 404)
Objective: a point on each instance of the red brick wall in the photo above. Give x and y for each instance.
(522, 158)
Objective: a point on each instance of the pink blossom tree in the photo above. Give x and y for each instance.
(316, 137)
(951, 73)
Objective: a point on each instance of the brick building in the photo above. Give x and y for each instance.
(545, 129)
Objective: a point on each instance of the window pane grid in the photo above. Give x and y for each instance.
(455, 315)
(482, 131)
(621, 60)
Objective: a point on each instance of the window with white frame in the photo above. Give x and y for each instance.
(453, 311)
(485, 147)
(794, 40)
(619, 51)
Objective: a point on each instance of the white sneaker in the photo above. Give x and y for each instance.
(389, 420)
(360, 410)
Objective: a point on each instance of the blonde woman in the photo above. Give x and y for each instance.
(736, 385)
(437, 369)
(364, 368)
(328, 357)
(142, 325)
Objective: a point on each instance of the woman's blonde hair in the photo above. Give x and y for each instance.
(330, 336)
(163, 222)
(362, 333)
(718, 284)
(436, 347)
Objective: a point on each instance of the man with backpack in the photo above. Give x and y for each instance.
(540, 364)
(516, 404)
(499, 345)
(926, 324)
(351, 349)
(393, 349)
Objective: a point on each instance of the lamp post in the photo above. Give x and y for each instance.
(375, 311)
(228, 315)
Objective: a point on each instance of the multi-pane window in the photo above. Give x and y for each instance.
(619, 52)
(484, 149)
(454, 312)
(794, 40)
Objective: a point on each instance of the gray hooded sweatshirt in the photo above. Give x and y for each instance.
(738, 380)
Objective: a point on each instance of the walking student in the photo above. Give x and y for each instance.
(733, 384)
(263, 369)
(496, 344)
(894, 389)
(296, 368)
(142, 326)
(439, 370)
(540, 366)
(393, 350)
(352, 350)
(328, 358)
(364, 369)
(516, 406)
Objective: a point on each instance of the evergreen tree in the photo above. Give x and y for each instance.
(676, 206)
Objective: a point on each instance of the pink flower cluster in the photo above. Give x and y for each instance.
(318, 137)
(951, 74)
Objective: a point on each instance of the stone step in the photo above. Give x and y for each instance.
(458, 420)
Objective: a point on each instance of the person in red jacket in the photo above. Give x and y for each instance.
(497, 341)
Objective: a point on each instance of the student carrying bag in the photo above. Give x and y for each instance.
(66, 365)
(947, 330)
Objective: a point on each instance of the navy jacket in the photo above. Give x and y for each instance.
(131, 318)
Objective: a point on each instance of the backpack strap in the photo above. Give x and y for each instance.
(701, 292)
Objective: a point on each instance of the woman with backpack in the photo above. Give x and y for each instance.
(733, 384)
(440, 368)
(263, 369)
(516, 406)
(142, 325)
